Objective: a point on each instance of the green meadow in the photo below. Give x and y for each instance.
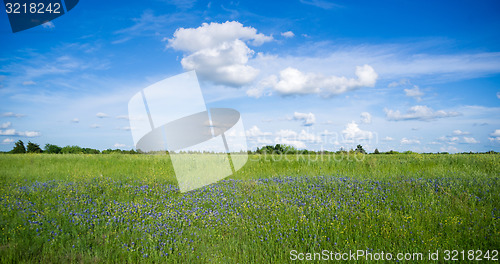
(71, 208)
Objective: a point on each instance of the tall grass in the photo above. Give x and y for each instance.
(127, 208)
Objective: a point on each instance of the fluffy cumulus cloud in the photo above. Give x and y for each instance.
(419, 112)
(388, 138)
(366, 118)
(470, 140)
(495, 136)
(219, 52)
(307, 119)
(309, 137)
(13, 132)
(406, 141)
(119, 145)
(8, 132)
(288, 34)
(292, 81)
(415, 93)
(460, 132)
(29, 134)
(352, 132)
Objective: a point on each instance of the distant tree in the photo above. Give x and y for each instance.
(33, 148)
(18, 147)
(72, 150)
(52, 149)
(359, 149)
(91, 151)
(376, 151)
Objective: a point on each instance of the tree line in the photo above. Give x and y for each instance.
(279, 149)
(31, 147)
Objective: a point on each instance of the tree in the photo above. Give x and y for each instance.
(359, 149)
(19, 147)
(376, 151)
(72, 150)
(33, 148)
(52, 149)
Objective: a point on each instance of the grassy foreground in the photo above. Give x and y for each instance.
(127, 208)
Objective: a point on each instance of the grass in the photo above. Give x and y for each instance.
(127, 208)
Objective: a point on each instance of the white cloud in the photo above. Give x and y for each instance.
(419, 112)
(292, 81)
(405, 141)
(415, 93)
(95, 126)
(455, 139)
(288, 34)
(29, 134)
(305, 136)
(256, 132)
(296, 143)
(11, 114)
(449, 139)
(8, 141)
(495, 136)
(119, 145)
(291, 135)
(213, 34)
(308, 119)
(366, 118)
(101, 115)
(29, 83)
(8, 132)
(470, 140)
(13, 132)
(388, 138)
(353, 132)
(5, 125)
(498, 95)
(460, 132)
(75, 120)
(48, 25)
(391, 61)
(219, 52)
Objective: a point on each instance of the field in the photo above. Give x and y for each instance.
(127, 208)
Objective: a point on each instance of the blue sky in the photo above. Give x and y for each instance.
(316, 74)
